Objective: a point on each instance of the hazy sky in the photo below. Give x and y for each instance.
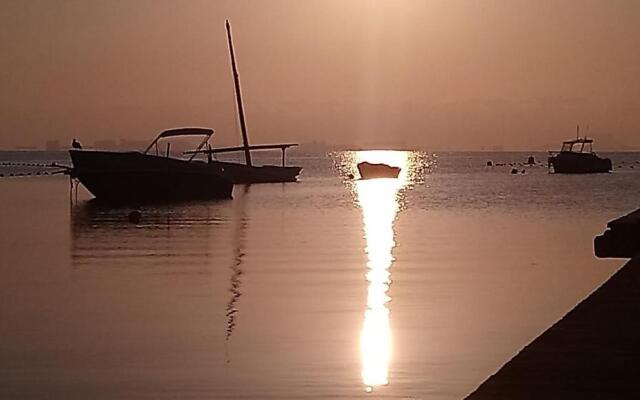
(430, 74)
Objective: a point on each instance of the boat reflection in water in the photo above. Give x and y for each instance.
(380, 201)
(241, 223)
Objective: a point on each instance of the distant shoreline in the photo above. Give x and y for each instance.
(375, 148)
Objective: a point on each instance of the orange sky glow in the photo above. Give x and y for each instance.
(414, 74)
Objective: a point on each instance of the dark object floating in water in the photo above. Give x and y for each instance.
(489, 163)
(134, 216)
(621, 239)
(577, 157)
(350, 176)
(134, 177)
(372, 171)
(514, 170)
(531, 160)
(247, 172)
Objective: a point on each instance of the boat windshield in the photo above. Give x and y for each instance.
(566, 147)
(577, 146)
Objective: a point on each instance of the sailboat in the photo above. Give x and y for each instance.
(247, 172)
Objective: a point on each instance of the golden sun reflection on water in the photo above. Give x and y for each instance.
(379, 200)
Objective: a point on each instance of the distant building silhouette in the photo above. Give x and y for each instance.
(105, 144)
(128, 144)
(52, 145)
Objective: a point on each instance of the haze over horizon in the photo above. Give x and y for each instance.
(433, 74)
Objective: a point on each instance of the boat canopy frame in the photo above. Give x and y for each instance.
(187, 131)
(282, 146)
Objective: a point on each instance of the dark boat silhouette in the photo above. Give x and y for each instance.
(247, 172)
(136, 177)
(372, 171)
(576, 156)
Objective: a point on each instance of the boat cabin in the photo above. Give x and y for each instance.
(579, 145)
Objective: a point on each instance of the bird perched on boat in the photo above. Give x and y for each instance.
(75, 144)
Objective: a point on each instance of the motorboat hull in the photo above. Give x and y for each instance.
(579, 163)
(133, 177)
(245, 174)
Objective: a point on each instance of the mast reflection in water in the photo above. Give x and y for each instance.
(379, 200)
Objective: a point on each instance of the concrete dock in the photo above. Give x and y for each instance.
(591, 353)
(621, 239)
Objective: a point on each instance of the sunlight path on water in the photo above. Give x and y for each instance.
(379, 201)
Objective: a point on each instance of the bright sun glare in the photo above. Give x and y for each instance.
(378, 199)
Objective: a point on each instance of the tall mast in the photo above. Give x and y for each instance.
(236, 80)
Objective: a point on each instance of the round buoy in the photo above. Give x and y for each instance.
(134, 216)
(489, 163)
(514, 170)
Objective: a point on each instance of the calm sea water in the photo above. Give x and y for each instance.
(419, 287)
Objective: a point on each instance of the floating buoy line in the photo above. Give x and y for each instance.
(57, 169)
